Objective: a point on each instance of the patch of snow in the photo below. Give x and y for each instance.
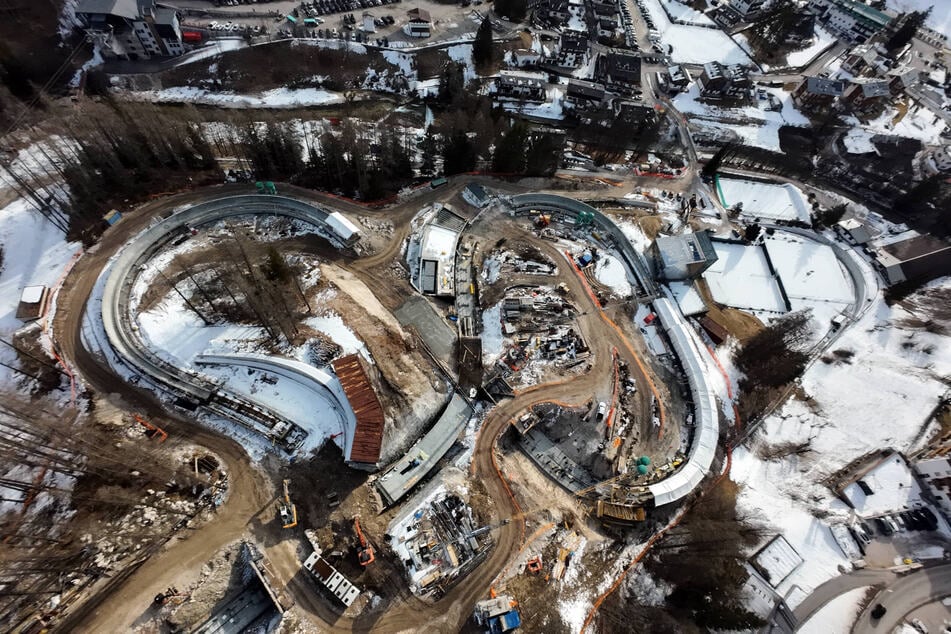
(462, 53)
(809, 270)
(859, 141)
(822, 40)
(683, 13)
(611, 272)
(694, 44)
(837, 616)
(276, 98)
(764, 200)
(688, 298)
(493, 341)
(918, 123)
(893, 485)
(331, 324)
(741, 278)
(35, 253)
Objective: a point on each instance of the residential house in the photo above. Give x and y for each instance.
(572, 50)
(850, 20)
(938, 160)
(674, 80)
(552, 13)
(935, 473)
(584, 95)
(419, 23)
(633, 112)
(526, 57)
(607, 27)
(901, 79)
(747, 8)
(864, 94)
(521, 85)
(817, 93)
(718, 80)
(619, 71)
(131, 29)
(867, 60)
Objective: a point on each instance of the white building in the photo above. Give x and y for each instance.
(936, 476)
(132, 30)
(748, 7)
(850, 19)
(419, 23)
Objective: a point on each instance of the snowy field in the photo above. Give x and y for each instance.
(688, 298)
(277, 98)
(764, 200)
(683, 13)
(753, 124)
(837, 616)
(301, 403)
(34, 253)
(919, 123)
(823, 39)
(611, 272)
(693, 44)
(893, 368)
(894, 488)
(809, 270)
(741, 278)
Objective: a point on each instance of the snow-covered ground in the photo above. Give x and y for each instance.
(768, 201)
(276, 98)
(683, 13)
(462, 53)
(753, 124)
(811, 275)
(858, 141)
(35, 253)
(694, 44)
(919, 123)
(611, 272)
(311, 409)
(820, 42)
(837, 616)
(877, 398)
(741, 278)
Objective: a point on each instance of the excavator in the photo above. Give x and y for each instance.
(288, 509)
(365, 553)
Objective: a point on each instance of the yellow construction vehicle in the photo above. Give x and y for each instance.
(288, 510)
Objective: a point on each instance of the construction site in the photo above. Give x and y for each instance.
(384, 376)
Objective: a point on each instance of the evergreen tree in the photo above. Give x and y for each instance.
(713, 165)
(459, 154)
(483, 49)
(429, 147)
(510, 150)
(910, 24)
(452, 84)
(542, 156)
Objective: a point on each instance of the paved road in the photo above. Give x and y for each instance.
(840, 585)
(904, 596)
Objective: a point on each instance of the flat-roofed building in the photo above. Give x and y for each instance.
(685, 256)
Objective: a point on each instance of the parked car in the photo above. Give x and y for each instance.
(884, 527)
(602, 410)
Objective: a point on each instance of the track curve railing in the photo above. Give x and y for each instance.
(123, 335)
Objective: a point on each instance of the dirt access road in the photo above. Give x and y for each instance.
(118, 604)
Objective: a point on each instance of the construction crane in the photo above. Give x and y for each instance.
(288, 509)
(364, 550)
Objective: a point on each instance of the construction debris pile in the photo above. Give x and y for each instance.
(439, 544)
(538, 323)
(525, 260)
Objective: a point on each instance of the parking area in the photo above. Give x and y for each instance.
(335, 19)
(897, 538)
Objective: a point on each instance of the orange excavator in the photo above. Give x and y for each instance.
(364, 551)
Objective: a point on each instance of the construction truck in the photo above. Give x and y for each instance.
(287, 509)
(497, 615)
(365, 553)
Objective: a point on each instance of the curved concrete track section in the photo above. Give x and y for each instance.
(184, 383)
(707, 427)
(320, 381)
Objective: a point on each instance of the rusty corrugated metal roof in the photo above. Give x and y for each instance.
(368, 437)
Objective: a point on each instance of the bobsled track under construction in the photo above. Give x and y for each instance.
(126, 248)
